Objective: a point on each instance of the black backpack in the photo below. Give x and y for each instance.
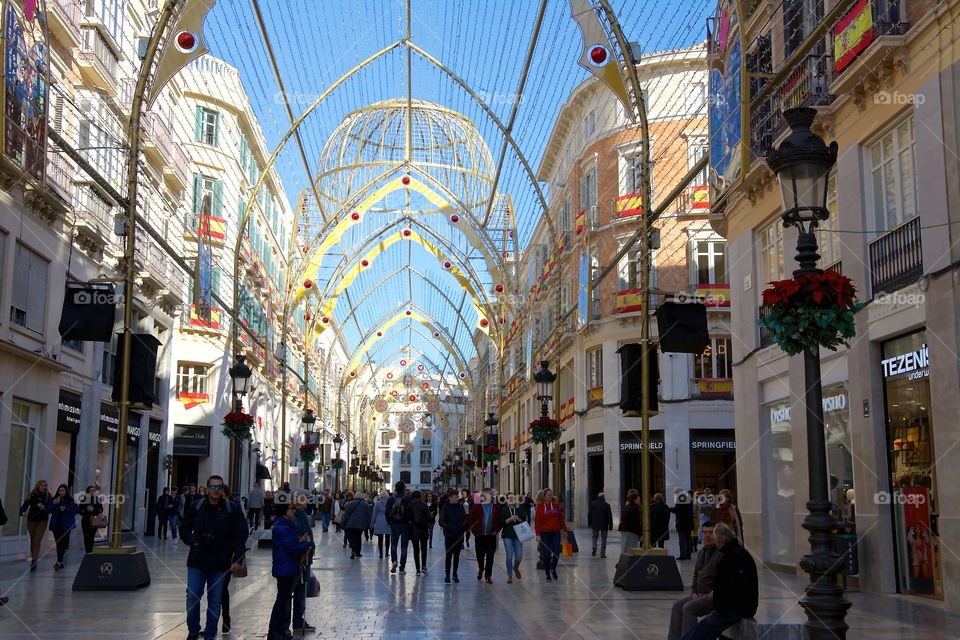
(399, 511)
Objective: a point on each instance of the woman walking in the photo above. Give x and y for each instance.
(466, 501)
(659, 521)
(36, 508)
(63, 520)
(356, 518)
(91, 512)
(164, 504)
(631, 521)
(420, 522)
(287, 551)
(337, 509)
(453, 523)
(381, 527)
(432, 507)
(550, 526)
(511, 515)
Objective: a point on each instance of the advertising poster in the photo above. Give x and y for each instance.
(725, 104)
(24, 91)
(918, 538)
(583, 287)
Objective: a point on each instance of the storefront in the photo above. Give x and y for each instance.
(779, 481)
(913, 474)
(631, 457)
(65, 447)
(106, 454)
(131, 471)
(191, 443)
(713, 459)
(154, 428)
(595, 454)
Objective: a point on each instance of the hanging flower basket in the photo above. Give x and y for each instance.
(469, 465)
(354, 470)
(491, 454)
(545, 430)
(308, 452)
(336, 464)
(364, 473)
(811, 311)
(237, 425)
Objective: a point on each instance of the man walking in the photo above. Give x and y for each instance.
(735, 589)
(216, 532)
(600, 521)
(255, 506)
(325, 508)
(484, 522)
(688, 610)
(399, 530)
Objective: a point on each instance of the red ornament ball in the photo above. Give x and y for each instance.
(463, 375)
(353, 374)
(447, 264)
(436, 334)
(406, 233)
(454, 218)
(379, 334)
(187, 41)
(325, 320)
(409, 312)
(403, 363)
(412, 397)
(354, 216)
(498, 288)
(598, 54)
(364, 263)
(307, 284)
(405, 180)
(306, 317)
(483, 322)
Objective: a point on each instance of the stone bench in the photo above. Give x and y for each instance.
(750, 629)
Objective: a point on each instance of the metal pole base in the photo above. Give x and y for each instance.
(824, 603)
(112, 569)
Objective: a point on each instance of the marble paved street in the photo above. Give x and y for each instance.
(362, 600)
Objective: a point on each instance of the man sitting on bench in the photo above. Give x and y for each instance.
(687, 610)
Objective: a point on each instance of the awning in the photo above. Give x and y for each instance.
(263, 473)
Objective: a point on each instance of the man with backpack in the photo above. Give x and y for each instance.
(399, 529)
(216, 531)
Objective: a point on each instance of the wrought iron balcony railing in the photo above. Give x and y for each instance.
(896, 258)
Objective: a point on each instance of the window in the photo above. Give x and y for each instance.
(771, 251)
(628, 271)
(405, 458)
(696, 149)
(715, 361)
(404, 438)
(588, 195)
(109, 12)
(425, 477)
(107, 362)
(828, 234)
(404, 477)
(566, 217)
(28, 306)
(192, 380)
(709, 261)
(589, 125)
(385, 438)
(426, 457)
(893, 169)
(207, 201)
(207, 126)
(595, 368)
(594, 291)
(384, 457)
(425, 438)
(634, 174)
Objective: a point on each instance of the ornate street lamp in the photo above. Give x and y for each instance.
(307, 420)
(492, 440)
(544, 379)
(240, 375)
(802, 165)
(469, 443)
(337, 442)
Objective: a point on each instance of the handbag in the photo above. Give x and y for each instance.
(313, 586)
(523, 531)
(572, 539)
(242, 571)
(98, 521)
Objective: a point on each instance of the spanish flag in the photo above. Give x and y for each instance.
(851, 35)
(581, 222)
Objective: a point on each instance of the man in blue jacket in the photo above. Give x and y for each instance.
(216, 531)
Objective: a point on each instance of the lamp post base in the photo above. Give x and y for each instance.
(823, 601)
(112, 569)
(647, 570)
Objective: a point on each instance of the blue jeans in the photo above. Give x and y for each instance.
(399, 533)
(280, 616)
(325, 520)
(196, 579)
(173, 526)
(514, 549)
(711, 627)
(550, 541)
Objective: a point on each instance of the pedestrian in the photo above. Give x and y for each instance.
(91, 512)
(325, 510)
(301, 525)
(399, 531)
(164, 503)
(484, 523)
(512, 514)
(175, 511)
(36, 508)
(550, 526)
(530, 506)
(727, 512)
(689, 609)
(432, 507)
(453, 523)
(356, 518)
(659, 521)
(600, 521)
(288, 550)
(419, 522)
(631, 521)
(63, 520)
(683, 514)
(735, 587)
(337, 509)
(255, 506)
(216, 531)
(381, 527)
(466, 502)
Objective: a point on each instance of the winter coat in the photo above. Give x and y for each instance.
(419, 519)
(217, 535)
(475, 519)
(729, 514)
(31, 507)
(326, 504)
(453, 520)
(684, 514)
(549, 518)
(287, 548)
(659, 521)
(356, 515)
(63, 515)
(165, 507)
(631, 521)
(379, 518)
(507, 512)
(735, 589)
(89, 507)
(599, 515)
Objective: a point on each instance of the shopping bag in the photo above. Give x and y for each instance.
(566, 550)
(241, 571)
(313, 586)
(572, 539)
(524, 532)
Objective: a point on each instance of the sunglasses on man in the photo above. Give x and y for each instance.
(215, 487)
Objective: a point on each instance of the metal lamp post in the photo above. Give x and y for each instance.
(544, 379)
(240, 375)
(802, 165)
(492, 440)
(308, 420)
(469, 443)
(354, 462)
(337, 442)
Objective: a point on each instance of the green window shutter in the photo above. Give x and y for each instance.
(197, 186)
(216, 129)
(217, 208)
(215, 282)
(198, 124)
(243, 151)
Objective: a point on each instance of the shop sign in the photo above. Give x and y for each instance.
(68, 412)
(153, 433)
(133, 427)
(724, 445)
(109, 421)
(189, 440)
(781, 412)
(914, 363)
(630, 441)
(595, 445)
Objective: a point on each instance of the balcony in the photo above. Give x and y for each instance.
(868, 52)
(896, 258)
(94, 222)
(158, 143)
(60, 177)
(766, 338)
(125, 95)
(713, 388)
(695, 200)
(714, 295)
(629, 301)
(63, 21)
(176, 284)
(176, 172)
(98, 62)
(213, 229)
(200, 319)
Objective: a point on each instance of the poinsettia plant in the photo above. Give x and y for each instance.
(544, 430)
(308, 452)
(491, 454)
(469, 465)
(237, 425)
(354, 470)
(811, 311)
(336, 463)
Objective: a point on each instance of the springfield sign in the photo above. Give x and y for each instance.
(915, 364)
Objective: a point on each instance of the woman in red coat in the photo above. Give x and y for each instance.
(549, 524)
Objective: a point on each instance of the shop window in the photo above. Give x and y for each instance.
(893, 174)
(426, 457)
(21, 460)
(28, 305)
